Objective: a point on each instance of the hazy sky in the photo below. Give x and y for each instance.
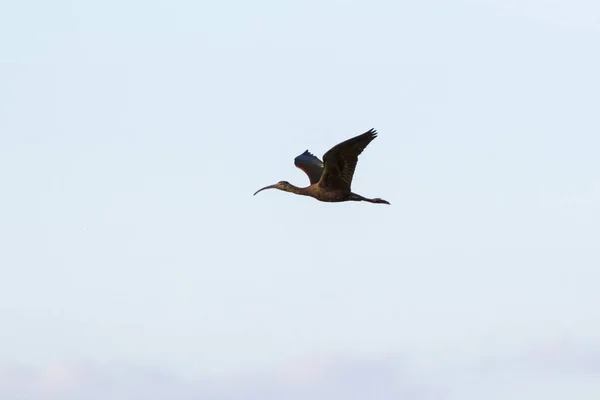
(133, 134)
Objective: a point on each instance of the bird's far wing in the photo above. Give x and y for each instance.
(341, 160)
(311, 165)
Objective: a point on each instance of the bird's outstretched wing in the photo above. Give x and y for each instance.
(311, 165)
(341, 160)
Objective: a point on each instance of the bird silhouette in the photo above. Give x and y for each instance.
(331, 179)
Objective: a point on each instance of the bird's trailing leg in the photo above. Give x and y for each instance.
(358, 197)
(378, 200)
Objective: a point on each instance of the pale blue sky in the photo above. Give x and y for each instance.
(133, 134)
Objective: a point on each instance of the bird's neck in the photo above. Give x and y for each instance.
(297, 190)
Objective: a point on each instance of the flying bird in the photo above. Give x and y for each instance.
(331, 179)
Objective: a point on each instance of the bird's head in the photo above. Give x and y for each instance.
(281, 185)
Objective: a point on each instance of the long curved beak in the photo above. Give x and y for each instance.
(266, 187)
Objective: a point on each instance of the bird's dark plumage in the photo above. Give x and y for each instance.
(340, 161)
(331, 179)
(311, 165)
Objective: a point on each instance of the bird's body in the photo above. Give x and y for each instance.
(331, 179)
